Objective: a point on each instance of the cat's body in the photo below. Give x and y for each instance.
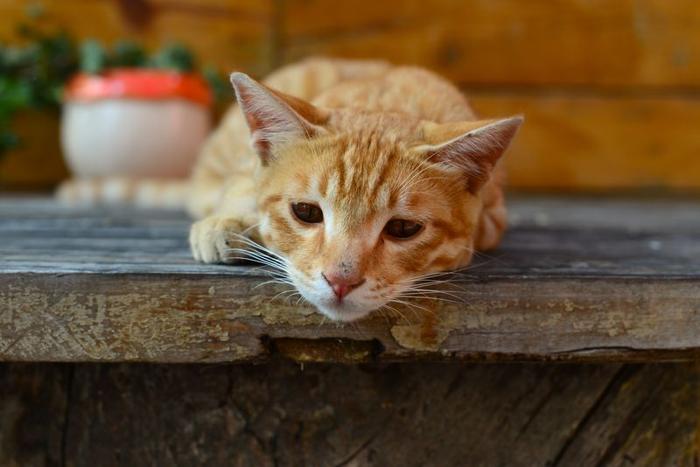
(335, 178)
(370, 178)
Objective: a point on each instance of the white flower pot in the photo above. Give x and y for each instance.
(139, 123)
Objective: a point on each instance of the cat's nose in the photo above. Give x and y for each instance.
(342, 285)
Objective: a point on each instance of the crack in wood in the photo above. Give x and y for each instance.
(66, 415)
(627, 426)
(623, 374)
(396, 414)
(353, 455)
(538, 408)
(340, 350)
(73, 290)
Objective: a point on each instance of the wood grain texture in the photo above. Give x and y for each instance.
(638, 423)
(224, 33)
(509, 42)
(37, 162)
(33, 408)
(407, 414)
(592, 279)
(608, 88)
(597, 143)
(504, 42)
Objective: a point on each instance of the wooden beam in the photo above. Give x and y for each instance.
(509, 42)
(598, 143)
(228, 35)
(574, 280)
(282, 413)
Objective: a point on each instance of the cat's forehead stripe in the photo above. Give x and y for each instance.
(322, 185)
(358, 170)
(302, 180)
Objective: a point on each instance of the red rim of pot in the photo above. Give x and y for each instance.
(139, 83)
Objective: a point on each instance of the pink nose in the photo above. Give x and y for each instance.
(342, 285)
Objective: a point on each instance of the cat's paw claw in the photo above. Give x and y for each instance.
(213, 238)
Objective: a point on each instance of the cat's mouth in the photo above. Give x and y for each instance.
(351, 308)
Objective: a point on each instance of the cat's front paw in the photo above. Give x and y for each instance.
(213, 239)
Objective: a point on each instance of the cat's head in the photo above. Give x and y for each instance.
(361, 205)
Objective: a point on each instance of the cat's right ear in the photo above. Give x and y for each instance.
(473, 147)
(274, 118)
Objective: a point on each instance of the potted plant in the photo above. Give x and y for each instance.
(128, 114)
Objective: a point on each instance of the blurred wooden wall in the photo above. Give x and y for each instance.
(610, 88)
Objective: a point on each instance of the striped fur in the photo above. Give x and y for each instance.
(367, 142)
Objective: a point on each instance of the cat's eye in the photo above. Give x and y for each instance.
(308, 213)
(401, 228)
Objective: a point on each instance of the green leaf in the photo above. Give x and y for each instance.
(174, 57)
(127, 54)
(92, 57)
(219, 86)
(14, 94)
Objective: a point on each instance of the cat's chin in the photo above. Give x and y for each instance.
(343, 312)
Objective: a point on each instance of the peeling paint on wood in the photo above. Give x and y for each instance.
(547, 294)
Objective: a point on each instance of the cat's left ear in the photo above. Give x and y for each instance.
(274, 118)
(473, 148)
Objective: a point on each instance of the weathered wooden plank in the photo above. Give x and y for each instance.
(33, 408)
(647, 416)
(509, 42)
(118, 317)
(587, 279)
(632, 215)
(598, 143)
(530, 252)
(319, 414)
(547, 239)
(279, 414)
(619, 212)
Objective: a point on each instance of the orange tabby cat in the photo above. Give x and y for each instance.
(369, 178)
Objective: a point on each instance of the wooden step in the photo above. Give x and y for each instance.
(605, 279)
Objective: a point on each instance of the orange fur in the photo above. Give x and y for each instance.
(367, 143)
